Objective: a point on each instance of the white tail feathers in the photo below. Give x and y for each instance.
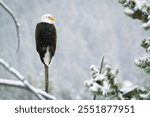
(47, 57)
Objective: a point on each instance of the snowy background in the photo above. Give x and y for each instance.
(87, 29)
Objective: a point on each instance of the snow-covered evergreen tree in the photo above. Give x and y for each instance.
(140, 9)
(105, 83)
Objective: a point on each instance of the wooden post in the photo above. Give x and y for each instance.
(46, 78)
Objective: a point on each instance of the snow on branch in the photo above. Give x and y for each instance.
(138, 9)
(103, 83)
(7, 9)
(19, 84)
(144, 62)
(22, 82)
(12, 83)
(135, 93)
(106, 84)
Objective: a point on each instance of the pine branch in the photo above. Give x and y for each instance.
(14, 72)
(9, 11)
(138, 9)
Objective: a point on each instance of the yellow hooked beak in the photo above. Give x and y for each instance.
(52, 18)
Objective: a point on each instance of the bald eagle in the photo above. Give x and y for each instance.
(45, 36)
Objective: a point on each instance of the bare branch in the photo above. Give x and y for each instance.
(15, 20)
(19, 84)
(102, 63)
(14, 72)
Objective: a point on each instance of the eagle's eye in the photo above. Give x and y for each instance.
(51, 18)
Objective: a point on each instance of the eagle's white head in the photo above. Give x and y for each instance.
(48, 18)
